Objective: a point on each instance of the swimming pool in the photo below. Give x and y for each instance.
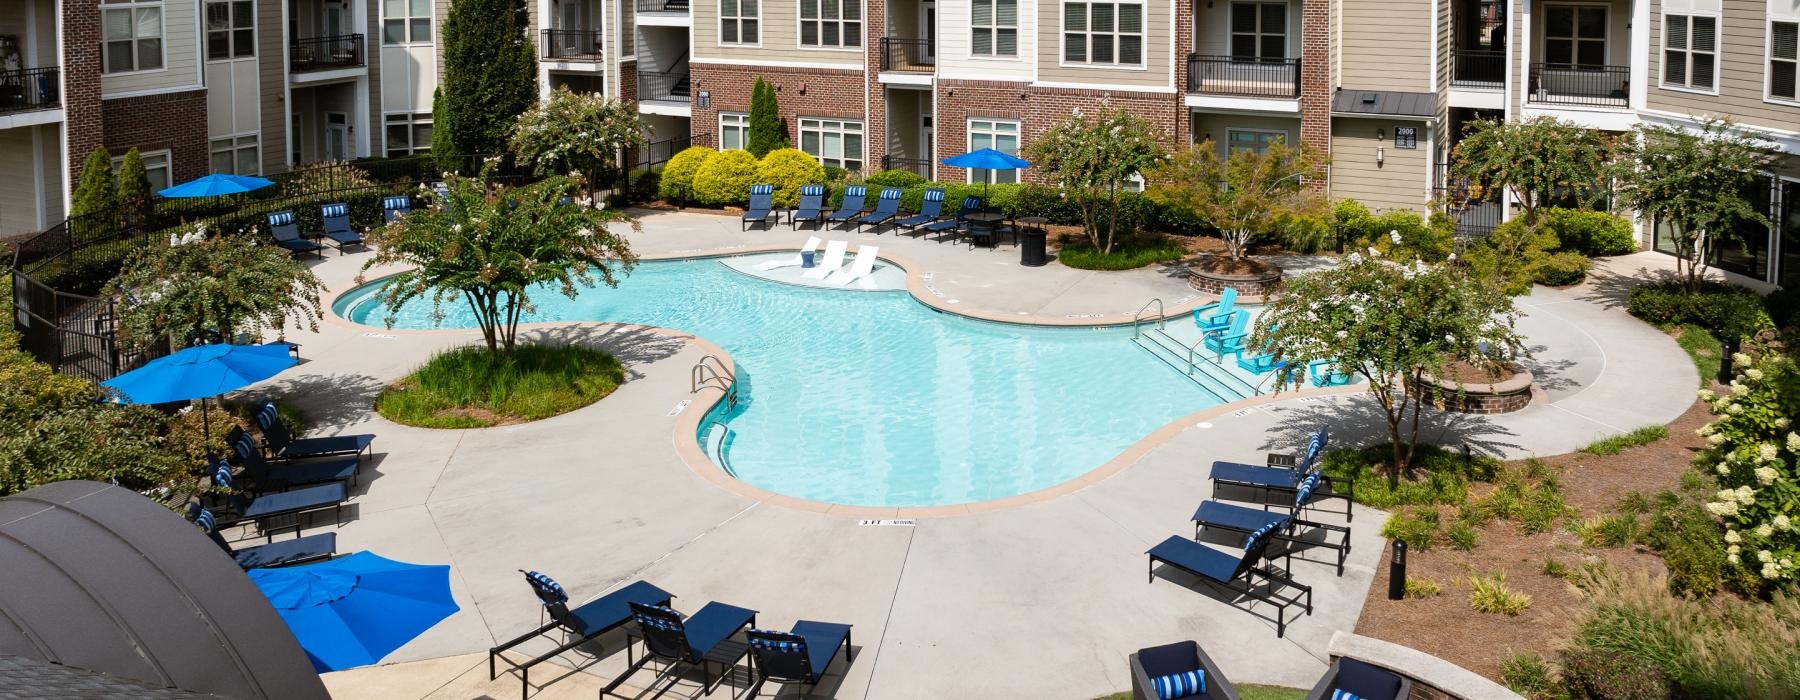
(874, 399)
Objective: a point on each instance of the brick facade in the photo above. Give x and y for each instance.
(809, 92)
(173, 120)
(83, 124)
(1037, 109)
(1315, 77)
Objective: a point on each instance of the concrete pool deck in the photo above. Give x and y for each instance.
(1040, 599)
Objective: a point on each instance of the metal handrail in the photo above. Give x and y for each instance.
(1137, 318)
(716, 374)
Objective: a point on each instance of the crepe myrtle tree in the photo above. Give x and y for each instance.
(490, 250)
(213, 290)
(1093, 156)
(1394, 323)
(1244, 195)
(576, 133)
(1533, 160)
(1691, 183)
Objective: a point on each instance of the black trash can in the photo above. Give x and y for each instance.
(1031, 247)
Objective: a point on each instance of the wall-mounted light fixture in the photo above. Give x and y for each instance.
(1380, 135)
(803, 88)
(1380, 156)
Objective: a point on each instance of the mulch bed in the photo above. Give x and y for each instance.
(1467, 373)
(1446, 627)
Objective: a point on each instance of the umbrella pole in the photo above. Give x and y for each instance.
(205, 430)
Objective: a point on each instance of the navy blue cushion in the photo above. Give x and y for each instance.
(1365, 681)
(1234, 517)
(1179, 657)
(1179, 685)
(1197, 558)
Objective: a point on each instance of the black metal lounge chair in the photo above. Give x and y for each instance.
(1171, 664)
(261, 509)
(1283, 476)
(794, 656)
(887, 206)
(282, 445)
(287, 235)
(678, 640)
(855, 197)
(283, 553)
(590, 620)
(930, 210)
(1236, 518)
(812, 207)
(761, 206)
(954, 225)
(395, 206)
(1234, 574)
(280, 477)
(1349, 677)
(337, 226)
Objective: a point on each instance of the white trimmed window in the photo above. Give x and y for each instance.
(1258, 30)
(1784, 57)
(1252, 140)
(238, 155)
(738, 21)
(407, 134)
(132, 36)
(1002, 136)
(156, 168)
(837, 143)
(831, 23)
(1103, 33)
(406, 22)
(230, 30)
(1575, 35)
(734, 130)
(995, 28)
(1690, 51)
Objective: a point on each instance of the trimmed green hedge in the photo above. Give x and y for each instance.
(789, 169)
(1591, 233)
(725, 178)
(1727, 309)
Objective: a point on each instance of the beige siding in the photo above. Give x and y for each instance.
(1207, 125)
(955, 45)
(1386, 45)
(1157, 71)
(18, 195)
(271, 65)
(1743, 35)
(50, 140)
(780, 35)
(1440, 135)
(180, 56)
(14, 22)
(1399, 182)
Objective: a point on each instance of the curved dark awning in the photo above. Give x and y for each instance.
(98, 577)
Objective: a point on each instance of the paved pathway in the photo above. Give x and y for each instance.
(1038, 600)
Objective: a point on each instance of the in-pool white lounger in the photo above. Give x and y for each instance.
(861, 269)
(811, 244)
(834, 259)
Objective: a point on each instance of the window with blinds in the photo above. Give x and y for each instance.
(1103, 33)
(1690, 51)
(994, 29)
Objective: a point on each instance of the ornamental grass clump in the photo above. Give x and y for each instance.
(1723, 648)
(1753, 449)
(1489, 594)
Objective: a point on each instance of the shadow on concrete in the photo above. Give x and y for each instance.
(327, 399)
(1359, 422)
(1610, 289)
(631, 345)
(1550, 375)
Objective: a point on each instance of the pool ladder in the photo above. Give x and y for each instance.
(710, 371)
(1187, 358)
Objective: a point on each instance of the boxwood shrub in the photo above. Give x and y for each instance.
(725, 178)
(1591, 233)
(788, 169)
(1727, 309)
(677, 181)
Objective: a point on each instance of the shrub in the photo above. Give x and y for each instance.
(1784, 307)
(789, 169)
(96, 192)
(1690, 541)
(836, 174)
(1419, 238)
(1127, 254)
(1306, 233)
(1509, 258)
(1528, 674)
(1563, 269)
(677, 181)
(766, 131)
(1421, 588)
(134, 187)
(1445, 475)
(1590, 233)
(470, 387)
(1597, 675)
(894, 178)
(1489, 594)
(1726, 309)
(1615, 530)
(1462, 535)
(1754, 449)
(1528, 496)
(725, 178)
(642, 185)
(1636, 438)
(1555, 567)
(1416, 527)
(1705, 649)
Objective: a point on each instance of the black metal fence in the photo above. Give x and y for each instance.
(1243, 77)
(676, 6)
(573, 44)
(326, 52)
(1477, 210)
(76, 334)
(1572, 84)
(1478, 69)
(906, 55)
(30, 89)
(920, 166)
(653, 86)
(658, 152)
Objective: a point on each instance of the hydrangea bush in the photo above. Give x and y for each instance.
(1754, 450)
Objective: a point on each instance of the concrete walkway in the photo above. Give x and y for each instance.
(1038, 600)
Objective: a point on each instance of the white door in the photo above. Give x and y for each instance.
(571, 22)
(337, 136)
(337, 20)
(928, 20)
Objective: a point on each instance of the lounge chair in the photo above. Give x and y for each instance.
(1326, 373)
(284, 553)
(281, 477)
(1348, 677)
(855, 197)
(1285, 478)
(337, 226)
(261, 509)
(887, 206)
(592, 619)
(930, 210)
(1218, 515)
(762, 206)
(395, 206)
(862, 269)
(1217, 315)
(800, 655)
(811, 245)
(949, 227)
(1235, 574)
(834, 259)
(1230, 340)
(812, 207)
(1158, 668)
(287, 235)
(1260, 363)
(282, 445)
(679, 640)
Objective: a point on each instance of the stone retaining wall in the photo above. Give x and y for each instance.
(1506, 396)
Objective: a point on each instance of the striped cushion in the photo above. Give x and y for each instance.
(660, 623)
(335, 209)
(1258, 535)
(762, 189)
(222, 475)
(934, 195)
(281, 218)
(266, 417)
(548, 589)
(812, 190)
(396, 202)
(1307, 486)
(856, 191)
(243, 446)
(205, 520)
(1180, 685)
(776, 645)
(891, 193)
(1341, 694)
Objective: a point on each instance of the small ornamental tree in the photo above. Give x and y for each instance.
(1533, 160)
(1393, 323)
(490, 76)
(489, 252)
(1692, 182)
(134, 188)
(96, 191)
(1754, 450)
(1092, 157)
(1243, 196)
(576, 132)
(766, 132)
(213, 290)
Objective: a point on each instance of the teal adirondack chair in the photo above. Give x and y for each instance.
(1326, 373)
(1217, 315)
(1230, 340)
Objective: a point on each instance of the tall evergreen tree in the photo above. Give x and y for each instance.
(134, 188)
(490, 76)
(96, 192)
(766, 132)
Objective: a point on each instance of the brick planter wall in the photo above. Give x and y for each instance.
(1505, 396)
(827, 93)
(1249, 287)
(172, 120)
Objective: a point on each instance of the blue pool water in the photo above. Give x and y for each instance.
(871, 398)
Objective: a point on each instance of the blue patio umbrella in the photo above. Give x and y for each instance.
(986, 159)
(200, 372)
(215, 185)
(354, 610)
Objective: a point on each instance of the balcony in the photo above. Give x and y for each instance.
(1578, 85)
(1244, 77)
(30, 89)
(1478, 70)
(572, 45)
(663, 6)
(906, 55)
(919, 166)
(326, 53)
(662, 87)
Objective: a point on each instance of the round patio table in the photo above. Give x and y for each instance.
(985, 221)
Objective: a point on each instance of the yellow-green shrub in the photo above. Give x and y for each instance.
(678, 175)
(788, 169)
(725, 178)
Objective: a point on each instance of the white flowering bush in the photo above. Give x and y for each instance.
(1754, 451)
(576, 132)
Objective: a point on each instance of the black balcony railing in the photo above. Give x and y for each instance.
(1574, 84)
(670, 6)
(30, 89)
(919, 166)
(906, 55)
(1478, 69)
(326, 52)
(664, 87)
(572, 44)
(1244, 77)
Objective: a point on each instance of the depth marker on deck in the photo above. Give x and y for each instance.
(888, 523)
(679, 407)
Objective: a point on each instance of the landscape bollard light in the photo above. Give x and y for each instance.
(1726, 372)
(1397, 571)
